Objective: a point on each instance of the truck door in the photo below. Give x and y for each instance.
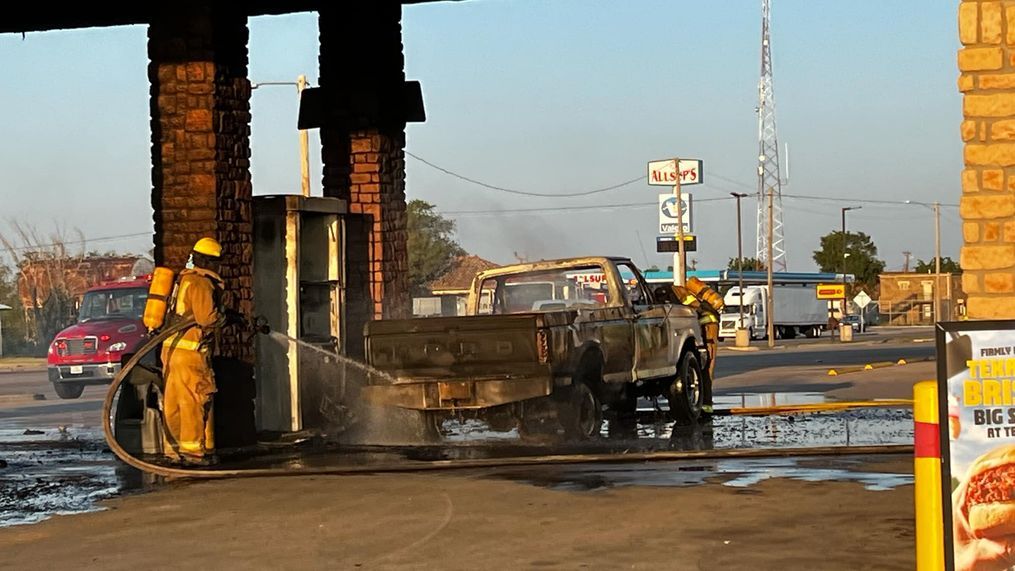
(648, 319)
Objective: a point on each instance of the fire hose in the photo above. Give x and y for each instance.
(418, 466)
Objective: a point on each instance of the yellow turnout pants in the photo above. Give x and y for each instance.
(711, 333)
(187, 409)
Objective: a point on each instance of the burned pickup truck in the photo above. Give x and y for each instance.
(567, 336)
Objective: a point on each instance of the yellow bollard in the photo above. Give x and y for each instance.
(927, 478)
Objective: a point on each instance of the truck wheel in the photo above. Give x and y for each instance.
(582, 414)
(686, 393)
(68, 390)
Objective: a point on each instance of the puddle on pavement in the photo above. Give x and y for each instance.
(736, 473)
(71, 470)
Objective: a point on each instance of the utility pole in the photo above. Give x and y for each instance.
(937, 261)
(740, 259)
(844, 255)
(301, 84)
(771, 289)
(679, 259)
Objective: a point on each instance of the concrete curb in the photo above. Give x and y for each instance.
(24, 369)
(19, 398)
(742, 349)
(872, 366)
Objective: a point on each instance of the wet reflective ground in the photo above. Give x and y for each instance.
(69, 471)
(47, 472)
(736, 473)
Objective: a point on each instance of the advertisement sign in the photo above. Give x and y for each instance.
(976, 384)
(664, 173)
(830, 291)
(668, 244)
(668, 213)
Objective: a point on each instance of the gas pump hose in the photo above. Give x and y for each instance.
(419, 466)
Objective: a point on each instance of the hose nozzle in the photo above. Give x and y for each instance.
(261, 325)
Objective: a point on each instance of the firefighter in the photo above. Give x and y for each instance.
(186, 358)
(709, 305)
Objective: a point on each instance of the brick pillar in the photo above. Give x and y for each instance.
(987, 80)
(364, 161)
(200, 121)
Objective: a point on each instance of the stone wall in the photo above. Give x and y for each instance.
(987, 81)
(200, 119)
(364, 161)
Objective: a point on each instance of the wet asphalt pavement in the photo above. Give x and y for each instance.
(67, 468)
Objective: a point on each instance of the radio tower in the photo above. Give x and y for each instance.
(768, 156)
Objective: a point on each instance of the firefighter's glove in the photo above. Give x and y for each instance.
(236, 318)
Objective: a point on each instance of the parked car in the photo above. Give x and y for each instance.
(549, 337)
(854, 321)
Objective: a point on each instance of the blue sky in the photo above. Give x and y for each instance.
(552, 97)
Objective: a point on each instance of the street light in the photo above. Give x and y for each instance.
(2, 309)
(936, 207)
(301, 84)
(740, 265)
(845, 309)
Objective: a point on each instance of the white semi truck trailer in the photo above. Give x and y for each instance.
(796, 307)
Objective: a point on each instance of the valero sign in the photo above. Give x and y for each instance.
(831, 291)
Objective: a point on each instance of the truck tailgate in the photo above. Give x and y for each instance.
(465, 348)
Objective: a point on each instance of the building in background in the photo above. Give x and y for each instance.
(449, 292)
(907, 298)
(50, 287)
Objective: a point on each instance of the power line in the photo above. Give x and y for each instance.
(524, 192)
(82, 241)
(866, 200)
(570, 208)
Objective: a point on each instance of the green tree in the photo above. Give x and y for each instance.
(432, 246)
(859, 257)
(746, 264)
(948, 266)
(13, 320)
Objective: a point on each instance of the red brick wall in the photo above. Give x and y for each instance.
(364, 162)
(200, 110)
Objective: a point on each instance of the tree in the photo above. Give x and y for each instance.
(746, 264)
(860, 257)
(948, 266)
(432, 247)
(43, 264)
(13, 320)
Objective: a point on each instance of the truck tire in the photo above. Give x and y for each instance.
(687, 392)
(581, 416)
(68, 390)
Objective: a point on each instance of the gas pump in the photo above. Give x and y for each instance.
(299, 288)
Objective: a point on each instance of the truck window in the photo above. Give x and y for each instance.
(634, 285)
(544, 290)
(125, 303)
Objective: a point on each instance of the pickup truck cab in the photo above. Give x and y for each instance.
(571, 335)
(109, 324)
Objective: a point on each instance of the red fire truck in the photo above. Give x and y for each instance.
(108, 326)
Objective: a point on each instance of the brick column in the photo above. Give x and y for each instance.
(200, 121)
(364, 161)
(987, 80)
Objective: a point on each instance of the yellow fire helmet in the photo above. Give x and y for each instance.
(208, 247)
